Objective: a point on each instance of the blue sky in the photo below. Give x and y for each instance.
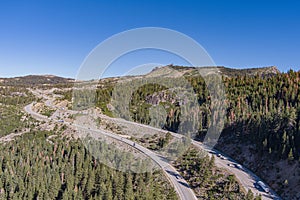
(54, 36)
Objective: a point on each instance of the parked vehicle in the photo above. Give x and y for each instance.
(223, 158)
(238, 166)
(177, 176)
(263, 186)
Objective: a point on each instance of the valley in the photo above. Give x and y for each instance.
(50, 108)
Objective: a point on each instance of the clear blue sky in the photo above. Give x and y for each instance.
(54, 36)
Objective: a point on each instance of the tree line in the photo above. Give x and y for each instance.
(32, 168)
(262, 109)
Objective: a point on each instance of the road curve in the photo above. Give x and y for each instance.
(245, 176)
(180, 185)
(35, 115)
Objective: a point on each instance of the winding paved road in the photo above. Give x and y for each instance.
(180, 185)
(246, 177)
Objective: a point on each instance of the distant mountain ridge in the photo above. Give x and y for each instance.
(170, 70)
(225, 71)
(35, 80)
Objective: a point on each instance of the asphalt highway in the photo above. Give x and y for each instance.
(180, 185)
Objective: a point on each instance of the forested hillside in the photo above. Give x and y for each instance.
(208, 181)
(263, 128)
(262, 123)
(32, 168)
(12, 101)
(261, 131)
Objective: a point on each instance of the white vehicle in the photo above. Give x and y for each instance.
(221, 156)
(231, 165)
(263, 186)
(238, 166)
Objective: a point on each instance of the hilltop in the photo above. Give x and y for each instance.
(169, 70)
(225, 71)
(32, 80)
